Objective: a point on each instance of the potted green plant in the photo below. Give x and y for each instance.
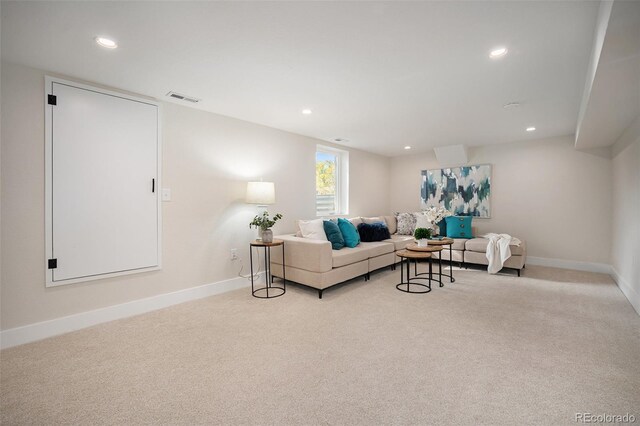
(264, 224)
(422, 236)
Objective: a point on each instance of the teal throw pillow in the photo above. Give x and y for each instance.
(333, 234)
(349, 233)
(459, 226)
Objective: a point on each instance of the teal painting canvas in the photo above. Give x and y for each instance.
(464, 191)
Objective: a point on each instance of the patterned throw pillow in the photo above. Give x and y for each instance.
(406, 223)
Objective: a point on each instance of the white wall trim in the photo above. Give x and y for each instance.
(602, 268)
(630, 293)
(42, 330)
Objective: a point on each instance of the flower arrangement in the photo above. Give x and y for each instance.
(264, 222)
(436, 214)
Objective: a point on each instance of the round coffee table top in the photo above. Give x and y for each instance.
(260, 243)
(428, 249)
(443, 242)
(413, 254)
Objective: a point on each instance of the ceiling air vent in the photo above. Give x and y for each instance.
(183, 97)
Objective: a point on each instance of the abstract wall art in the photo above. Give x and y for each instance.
(464, 191)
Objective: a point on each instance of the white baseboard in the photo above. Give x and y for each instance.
(603, 268)
(42, 330)
(630, 293)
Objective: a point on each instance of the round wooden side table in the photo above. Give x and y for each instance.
(406, 286)
(445, 242)
(276, 291)
(427, 249)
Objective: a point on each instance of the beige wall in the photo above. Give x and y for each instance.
(625, 250)
(207, 160)
(544, 191)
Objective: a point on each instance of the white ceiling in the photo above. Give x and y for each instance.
(380, 74)
(614, 100)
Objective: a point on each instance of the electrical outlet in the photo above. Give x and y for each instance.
(234, 254)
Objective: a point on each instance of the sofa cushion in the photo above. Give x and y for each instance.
(459, 227)
(372, 220)
(400, 242)
(333, 234)
(378, 248)
(349, 232)
(458, 244)
(479, 245)
(392, 224)
(373, 232)
(364, 251)
(356, 221)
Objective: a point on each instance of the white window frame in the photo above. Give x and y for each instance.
(342, 178)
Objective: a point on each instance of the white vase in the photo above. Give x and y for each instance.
(422, 242)
(267, 236)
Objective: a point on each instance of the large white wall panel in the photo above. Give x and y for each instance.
(103, 196)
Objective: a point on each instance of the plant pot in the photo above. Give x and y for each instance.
(267, 236)
(422, 242)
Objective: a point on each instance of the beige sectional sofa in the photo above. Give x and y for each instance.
(314, 264)
(467, 251)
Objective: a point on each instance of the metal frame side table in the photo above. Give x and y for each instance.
(428, 249)
(407, 256)
(445, 242)
(268, 278)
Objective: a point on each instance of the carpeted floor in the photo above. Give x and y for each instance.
(484, 350)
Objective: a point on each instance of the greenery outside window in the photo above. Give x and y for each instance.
(332, 181)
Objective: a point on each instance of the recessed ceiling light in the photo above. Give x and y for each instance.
(407, 147)
(306, 111)
(106, 42)
(341, 140)
(498, 52)
(531, 129)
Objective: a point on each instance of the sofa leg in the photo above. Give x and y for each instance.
(518, 272)
(319, 294)
(524, 266)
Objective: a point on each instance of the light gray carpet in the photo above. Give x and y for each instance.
(484, 350)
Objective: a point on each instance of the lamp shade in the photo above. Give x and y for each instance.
(262, 193)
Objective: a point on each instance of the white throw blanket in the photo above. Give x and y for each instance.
(498, 250)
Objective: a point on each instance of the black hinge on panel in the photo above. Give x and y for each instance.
(53, 263)
(52, 100)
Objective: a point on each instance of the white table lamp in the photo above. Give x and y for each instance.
(261, 193)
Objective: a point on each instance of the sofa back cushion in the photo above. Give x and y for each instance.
(392, 223)
(349, 233)
(373, 232)
(356, 221)
(334, 235)
(313, 229)
(372, 220)
(459, 227)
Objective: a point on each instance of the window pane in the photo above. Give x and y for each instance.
(326, 183)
